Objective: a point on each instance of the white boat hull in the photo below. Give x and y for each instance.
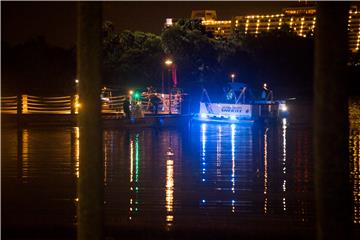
(225, 112)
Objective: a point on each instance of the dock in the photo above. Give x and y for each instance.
(28, 110)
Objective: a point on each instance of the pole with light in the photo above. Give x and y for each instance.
(76, 102)
(232, 75)
(130, 95)
(168, 64)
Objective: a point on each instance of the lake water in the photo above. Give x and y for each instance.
(206, 176)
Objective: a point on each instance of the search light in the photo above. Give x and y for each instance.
(283, 107)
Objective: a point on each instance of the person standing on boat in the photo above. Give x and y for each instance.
(138, 112)
(266, 94)
(126, 107)
(155, 103)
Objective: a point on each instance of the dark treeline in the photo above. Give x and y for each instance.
(280, 58)
(35, 67)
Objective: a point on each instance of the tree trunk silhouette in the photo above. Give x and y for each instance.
(90, 185)
(333, 192)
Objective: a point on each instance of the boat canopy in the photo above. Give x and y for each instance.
(237, 86)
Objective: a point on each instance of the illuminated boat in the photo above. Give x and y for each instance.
(224, 112)
(241, 110)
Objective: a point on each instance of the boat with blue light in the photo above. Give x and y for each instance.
(238, 108)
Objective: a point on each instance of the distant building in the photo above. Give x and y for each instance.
(354, 28)
(169, 22)
(204, 15)
(300, 19)
(219, 28)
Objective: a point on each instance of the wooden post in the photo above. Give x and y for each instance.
(24, 104)
(72, 104)
(90, 185)
(19, 104)
(18, 109)
(333, 192)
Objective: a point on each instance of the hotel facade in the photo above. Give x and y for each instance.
(301, 20)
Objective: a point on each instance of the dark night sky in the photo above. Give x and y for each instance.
(57, 20)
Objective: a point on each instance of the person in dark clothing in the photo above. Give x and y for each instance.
(155, 103)
(126, 106)
(266, 93)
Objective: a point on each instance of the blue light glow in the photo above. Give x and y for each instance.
(161, 121)
(218, 153)
(233, 126)
(203, 155)
(203, 115)
(233, 117)
(203, 201)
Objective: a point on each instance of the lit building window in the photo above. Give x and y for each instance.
(169, 22)
(301, 20)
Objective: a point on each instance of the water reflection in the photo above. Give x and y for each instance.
(203, 155)
(233, 126)
(75, 142)
(169, 192)
(77, 150)
(284, 127)
(37, 176)
(233, 157)
(265, 170)
(302, 170)
(355, 172)
(226, 169)
(211, 173)
(218, 153)
(25, 154)
(134, 175)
